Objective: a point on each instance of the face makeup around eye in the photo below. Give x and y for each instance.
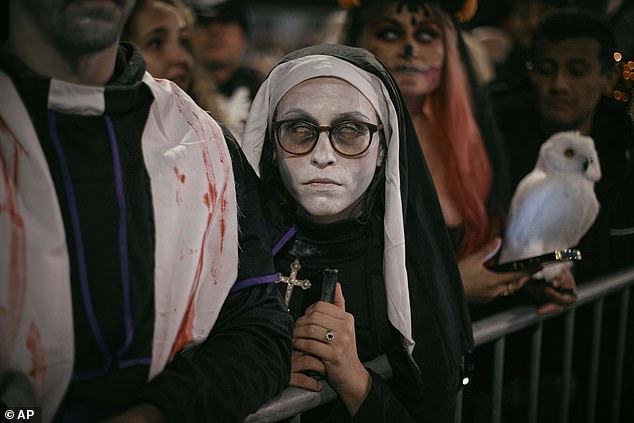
(326, 185)
(411, 45)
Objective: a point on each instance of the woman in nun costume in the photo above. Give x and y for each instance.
(344, 177)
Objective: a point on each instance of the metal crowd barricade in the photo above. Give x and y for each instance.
(495, 329)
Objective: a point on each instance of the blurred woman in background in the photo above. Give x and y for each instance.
(163, 31)
(421, 45)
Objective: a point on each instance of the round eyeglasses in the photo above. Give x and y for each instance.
(348, 138)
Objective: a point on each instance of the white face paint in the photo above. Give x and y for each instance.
(326, 185)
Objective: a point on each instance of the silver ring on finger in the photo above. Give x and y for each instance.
(329, 336)
(508, 291)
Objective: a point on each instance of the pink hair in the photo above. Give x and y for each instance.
(456, 131)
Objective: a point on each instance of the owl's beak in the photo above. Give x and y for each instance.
(586, 164)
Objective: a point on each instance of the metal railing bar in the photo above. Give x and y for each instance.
(493, 327)
(513, 320)
(291, 402)
(294, 401)
(498, 380)
(536, 355)
(597, 319)
(604, 286)
(620, 355)
(569, 333)
(458, 414)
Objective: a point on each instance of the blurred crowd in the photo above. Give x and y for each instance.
(480, 122)
(461, 98)
(236, 43)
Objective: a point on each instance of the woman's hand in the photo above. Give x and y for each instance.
(334, 355)
(561, 293)
(482, 285)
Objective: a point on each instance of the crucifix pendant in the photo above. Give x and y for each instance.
(291, 282)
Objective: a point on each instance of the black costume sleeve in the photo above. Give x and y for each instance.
(246, 359)
(379, 406)
(403, 398)
(255, 260)
(244, 362)
(383, 405)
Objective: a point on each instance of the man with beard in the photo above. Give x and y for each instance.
(121, 202)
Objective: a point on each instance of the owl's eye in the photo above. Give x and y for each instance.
(569, 152)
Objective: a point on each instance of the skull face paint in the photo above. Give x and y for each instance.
(409, 40)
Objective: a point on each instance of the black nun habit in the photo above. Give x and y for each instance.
(398, 255)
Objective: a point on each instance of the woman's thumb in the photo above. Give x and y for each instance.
(339, 300)
(490, 249)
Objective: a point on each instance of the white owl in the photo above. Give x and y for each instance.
(555, 204)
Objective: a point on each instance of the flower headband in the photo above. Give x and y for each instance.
(464, 13)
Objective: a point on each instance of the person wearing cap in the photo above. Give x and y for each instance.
(221, 37)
